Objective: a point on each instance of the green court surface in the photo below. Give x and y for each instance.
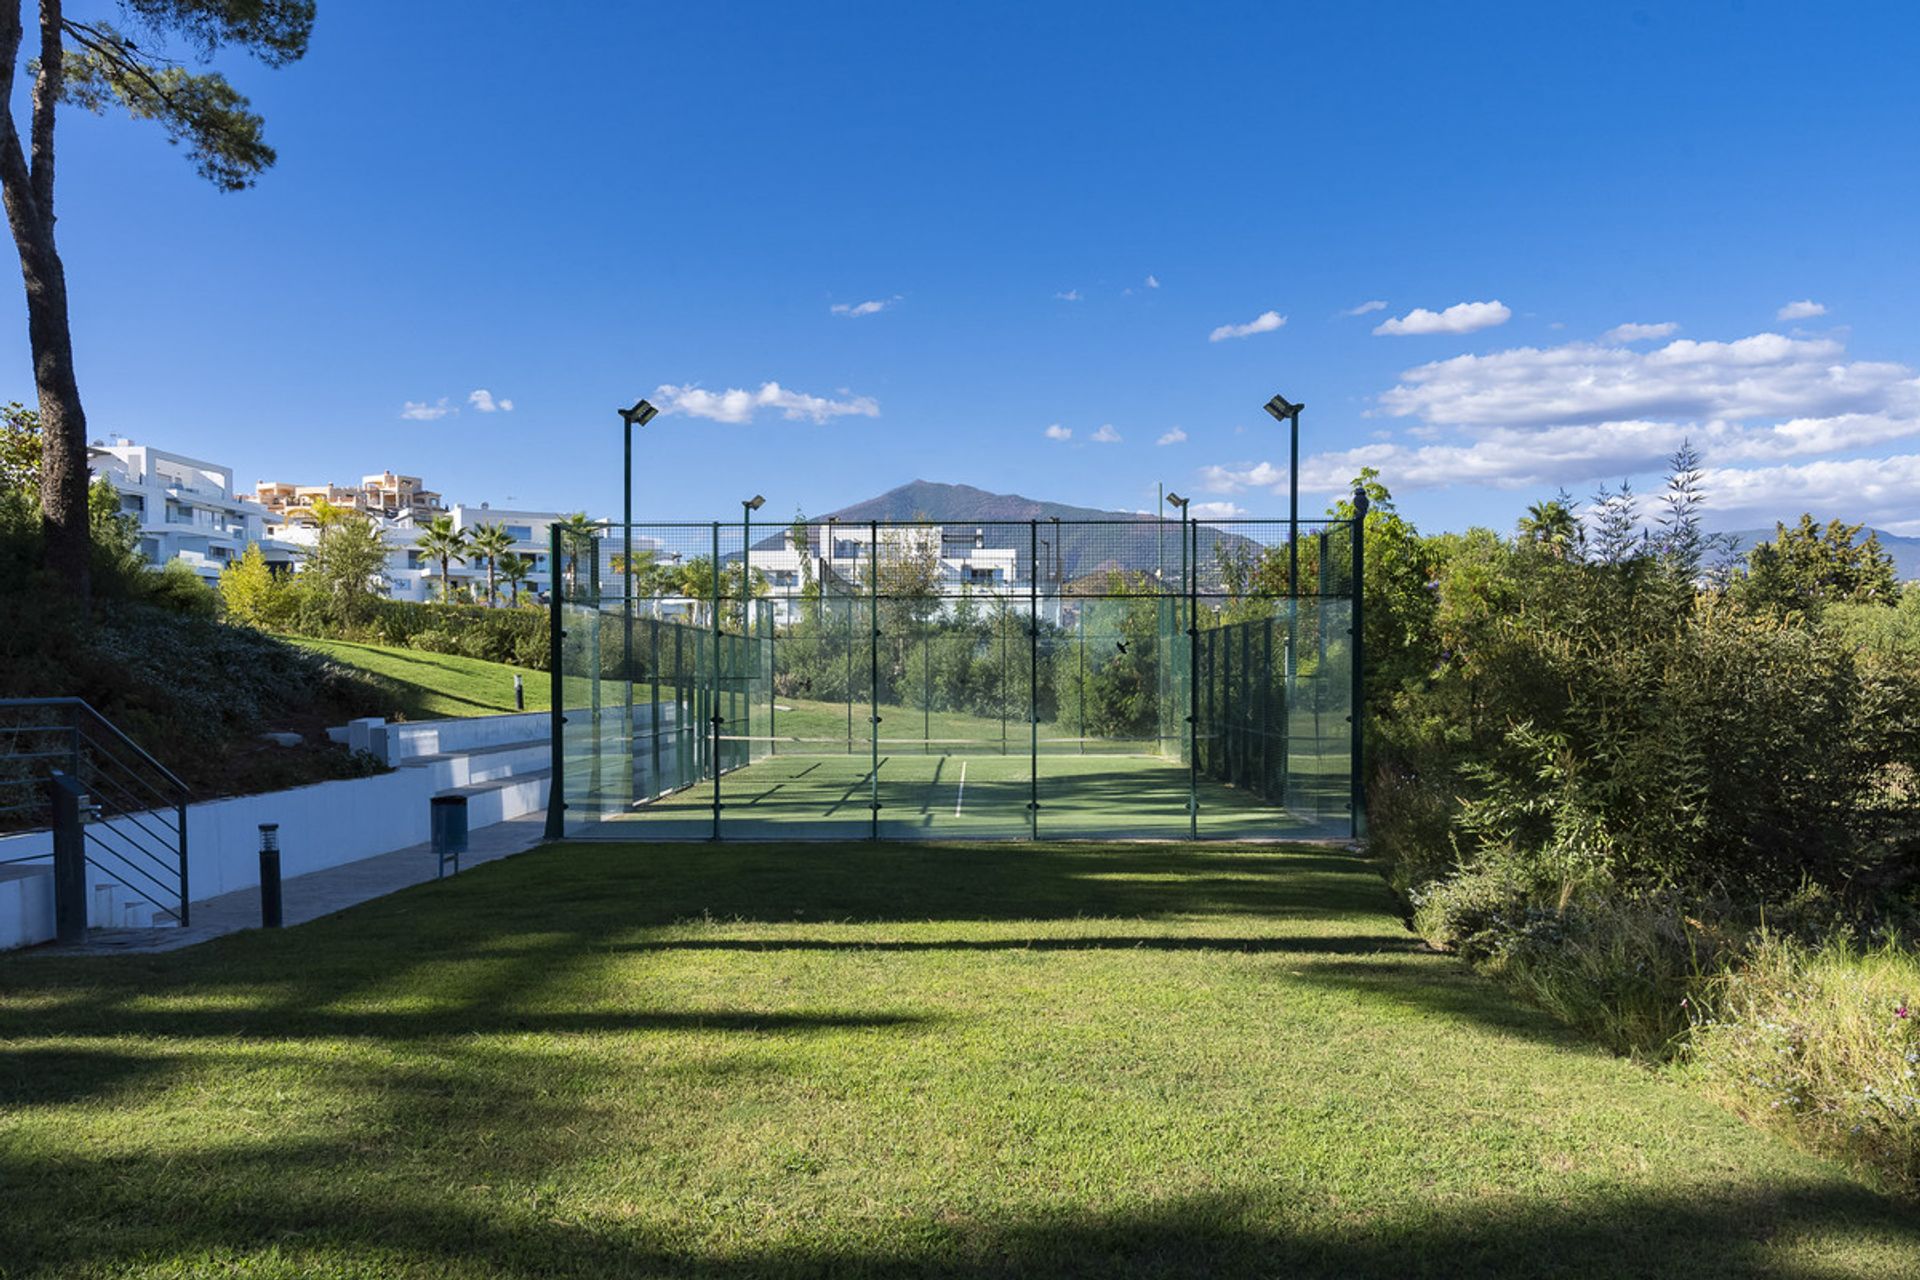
(957, 791)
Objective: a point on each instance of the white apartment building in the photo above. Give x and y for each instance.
(842, 556)
(384, 495)
(413, 575)
(187, 508)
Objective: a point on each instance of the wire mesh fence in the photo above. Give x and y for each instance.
(993, 679)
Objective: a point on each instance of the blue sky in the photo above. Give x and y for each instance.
(1057, 208)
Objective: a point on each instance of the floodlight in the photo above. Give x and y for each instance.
(754, 503)
(1177, 501)
(1281, 410)
(640, 415)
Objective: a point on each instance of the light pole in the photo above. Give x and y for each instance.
(747, 507)
(639, 416)
(1289, 413)
(1282, 411)
(1193, 675)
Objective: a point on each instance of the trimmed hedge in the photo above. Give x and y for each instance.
(516, 636)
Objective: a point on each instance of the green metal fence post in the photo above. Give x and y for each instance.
(653, 667)
(556, 715)
(873, 671)
(596, 780)
(713, 684)
(1190, 567)
(1320, 654)
(1033, 679)
(1358, 743)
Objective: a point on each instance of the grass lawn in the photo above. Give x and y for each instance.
(868, 1060)
(433, 686)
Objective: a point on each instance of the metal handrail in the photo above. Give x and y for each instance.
(132, 815)
(81, 703)
(101, 747)
(121, 775)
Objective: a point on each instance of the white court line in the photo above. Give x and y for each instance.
(963, 789)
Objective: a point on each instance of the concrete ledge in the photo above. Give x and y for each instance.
(26, 904)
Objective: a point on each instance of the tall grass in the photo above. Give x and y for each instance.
(1628, 972)
(1825, 1043)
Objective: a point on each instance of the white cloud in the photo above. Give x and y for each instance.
(1461, 317)
(421, 411)
(736, 405)
(1878, 491)
(1265, 322)
(1763, 376)
(1365, 308)
(1153, 282)
(482, 400)
(1240, 476)
(1769, 414)
(1068, 295)
(1172, 436)
(1640, 332)
(1805, 309)
(1216, 511)
(1058, 432)
(1105, 435)
(872, 306)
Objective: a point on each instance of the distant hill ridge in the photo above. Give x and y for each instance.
(959, 503)
(1092, 550)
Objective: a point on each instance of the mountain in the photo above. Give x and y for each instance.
(964, 504)
(1905, 551)
(1092, 541)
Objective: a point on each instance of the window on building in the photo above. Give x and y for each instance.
(520, 532)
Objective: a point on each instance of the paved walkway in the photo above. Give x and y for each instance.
(316, 894)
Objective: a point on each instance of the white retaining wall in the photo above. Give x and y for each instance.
(435, 737)
(321, 826)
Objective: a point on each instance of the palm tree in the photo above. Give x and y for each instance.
(515, 569)
(576, 532)
(446, 544)
(694, 579)
(645, 571)
(491, 541)
(1551, 525)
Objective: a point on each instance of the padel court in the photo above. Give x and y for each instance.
(1049, 680)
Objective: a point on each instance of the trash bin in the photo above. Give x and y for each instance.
(449, 825)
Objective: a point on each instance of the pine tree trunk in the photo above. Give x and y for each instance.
(27, 192)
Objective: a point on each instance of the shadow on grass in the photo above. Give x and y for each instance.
(48, 1075)
(1289, 944)
(285, 1208)
(446, 1154)
(1445, 989)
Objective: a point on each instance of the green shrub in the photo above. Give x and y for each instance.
(1625, 971)
(517, 636)
(1825, 1043)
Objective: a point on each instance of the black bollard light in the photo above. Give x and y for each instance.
(270, 875)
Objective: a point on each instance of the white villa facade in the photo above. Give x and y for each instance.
(186, 508)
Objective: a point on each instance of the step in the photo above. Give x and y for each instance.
(495, 784)
(475, 753)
